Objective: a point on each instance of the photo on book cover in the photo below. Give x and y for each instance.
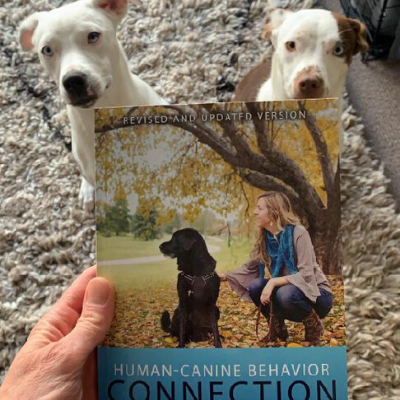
(219, 226)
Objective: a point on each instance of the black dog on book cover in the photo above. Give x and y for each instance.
(198, 288)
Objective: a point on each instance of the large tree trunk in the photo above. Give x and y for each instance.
(327, 243)
(325, 235)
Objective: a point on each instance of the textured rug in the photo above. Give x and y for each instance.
(189, 50)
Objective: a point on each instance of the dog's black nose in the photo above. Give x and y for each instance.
(311, 83)
(75, 83)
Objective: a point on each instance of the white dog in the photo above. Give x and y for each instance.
(77, 45)
(313, 51)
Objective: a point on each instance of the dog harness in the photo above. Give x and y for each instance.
(201, 281)
(191, 278)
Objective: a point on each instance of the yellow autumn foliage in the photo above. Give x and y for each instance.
(168, 167)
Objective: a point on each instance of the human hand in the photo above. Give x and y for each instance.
(267, 292)
(58, 361)
(221, 276)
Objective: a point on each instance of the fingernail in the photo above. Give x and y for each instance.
(98, 291)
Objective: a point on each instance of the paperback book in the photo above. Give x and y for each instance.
(219, 226)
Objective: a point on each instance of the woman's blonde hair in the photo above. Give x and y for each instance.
(281, 213)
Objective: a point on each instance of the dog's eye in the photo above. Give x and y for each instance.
(93, 37)
(338, 50)
(47, 51)
(291, 46)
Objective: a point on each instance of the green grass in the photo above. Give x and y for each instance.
(231, 257)
(141, 276)
(160, 273)
(122, 247)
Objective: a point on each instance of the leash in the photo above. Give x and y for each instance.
(258, 320)
(259, 316)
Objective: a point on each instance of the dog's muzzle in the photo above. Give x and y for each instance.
(165, 250)
(309, 84)
(76, 85)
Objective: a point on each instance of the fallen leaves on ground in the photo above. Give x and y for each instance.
(138, 314)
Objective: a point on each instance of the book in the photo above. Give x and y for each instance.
(184, 198)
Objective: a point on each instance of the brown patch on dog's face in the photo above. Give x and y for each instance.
(276, 18)
(266, 34)
(353, 35)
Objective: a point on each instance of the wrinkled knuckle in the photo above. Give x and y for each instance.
(91, 320)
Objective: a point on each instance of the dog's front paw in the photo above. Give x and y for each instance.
(86, 196)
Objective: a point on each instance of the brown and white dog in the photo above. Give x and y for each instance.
(312, 53)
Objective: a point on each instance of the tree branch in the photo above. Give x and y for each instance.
(261, 130)
(231, 131)
(322, 152)
(272, 162)
(266, 183)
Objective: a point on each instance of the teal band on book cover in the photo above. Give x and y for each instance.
(234, 374)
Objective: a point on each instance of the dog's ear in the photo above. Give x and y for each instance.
(26, 31)
(188, 242)
(118, 7)
(361, 35)
(275, 20)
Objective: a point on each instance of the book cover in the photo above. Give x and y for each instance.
(219, 226)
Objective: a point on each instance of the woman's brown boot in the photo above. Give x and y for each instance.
(277, 327)
(313, 328)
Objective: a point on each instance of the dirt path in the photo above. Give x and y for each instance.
(149, 259)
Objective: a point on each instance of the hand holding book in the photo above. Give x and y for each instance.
(58, 360)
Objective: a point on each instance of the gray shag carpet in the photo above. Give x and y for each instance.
(188, 50)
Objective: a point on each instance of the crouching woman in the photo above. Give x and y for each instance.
(283, 276)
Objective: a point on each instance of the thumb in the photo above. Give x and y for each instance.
(95, 320)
